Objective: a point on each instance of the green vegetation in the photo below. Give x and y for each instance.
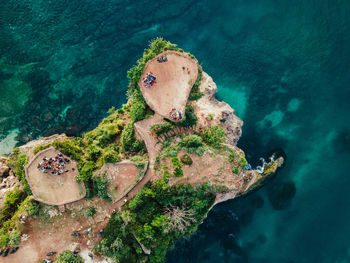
(186, 159)
(243, 162)
(90, 211)
(231, 157)
(17, 162)
(178, 172)
(16, 204)
(235, 170)
(40, 147)
(67, 256)
(159, 129)
(191, 141)
(213, 136)
(158, 215)
(101, 189)
(156, 47)
(190, 119)
(195, 92)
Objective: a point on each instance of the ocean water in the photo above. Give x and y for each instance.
(283, 65)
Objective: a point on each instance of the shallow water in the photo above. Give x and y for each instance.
(283, 65)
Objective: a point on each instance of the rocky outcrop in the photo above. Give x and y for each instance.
(4, 169)
(28, 148)
(7, 184)
(212, 112)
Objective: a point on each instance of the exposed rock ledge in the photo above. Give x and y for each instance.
(212, 112)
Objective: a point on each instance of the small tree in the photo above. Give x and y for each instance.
(90, 211)
(68, 257)
(179, 219)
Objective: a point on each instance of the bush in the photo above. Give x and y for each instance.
(138, 106)
(68, 147)
(191, 140)
(176, 162)
(68, 257)
(90, 211)
(200, 151)
(14, 238)
(86, 170)
(195, 92)
(18, 161)
(31, 207)
(243, 162)
(190, 118)
(235, 170)
(186, 159)
(159, 129)
(4, 238)
(178, 172)
(40, 147)
(13, 198)
(128, 137)
(231, 157)
(101, 188)
(214, 136)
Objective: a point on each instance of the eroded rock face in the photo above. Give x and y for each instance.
(7, 184)
(28, 148)
(212, 112)
(4, 169)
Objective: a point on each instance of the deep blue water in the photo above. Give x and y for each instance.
(283, 65)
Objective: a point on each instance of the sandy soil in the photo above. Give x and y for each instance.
(54, 189)
(123, 175)
(173, 83)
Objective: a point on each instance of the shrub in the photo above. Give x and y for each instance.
(190, 118)
(17, 162)
(128, 137)
(14, 238)
(138, 106)
(69, 148)
(200, 151)
(4, 238)
(243, 162)
(186, 159)
(13, 198)
(86, 170)
(178, 172)
(101, 188)
(67, 256)
(159, 129)
(214, 136)
(94, 152)
(40, 147)
(90, 211)
(195, 92)
(235, 170)
(31, 207)
(191, 140)
(110, 155)
(176, 162)
(231, 157)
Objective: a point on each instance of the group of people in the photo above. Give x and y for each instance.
(175, 115)
(56, 165)
(149, 80)
(162, 59)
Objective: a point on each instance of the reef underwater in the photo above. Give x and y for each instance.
(283, 66)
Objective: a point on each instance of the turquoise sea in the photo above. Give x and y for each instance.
(283, 65)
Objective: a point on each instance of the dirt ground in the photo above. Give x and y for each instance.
(54, 189)
(121, 177)
(173, 82)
